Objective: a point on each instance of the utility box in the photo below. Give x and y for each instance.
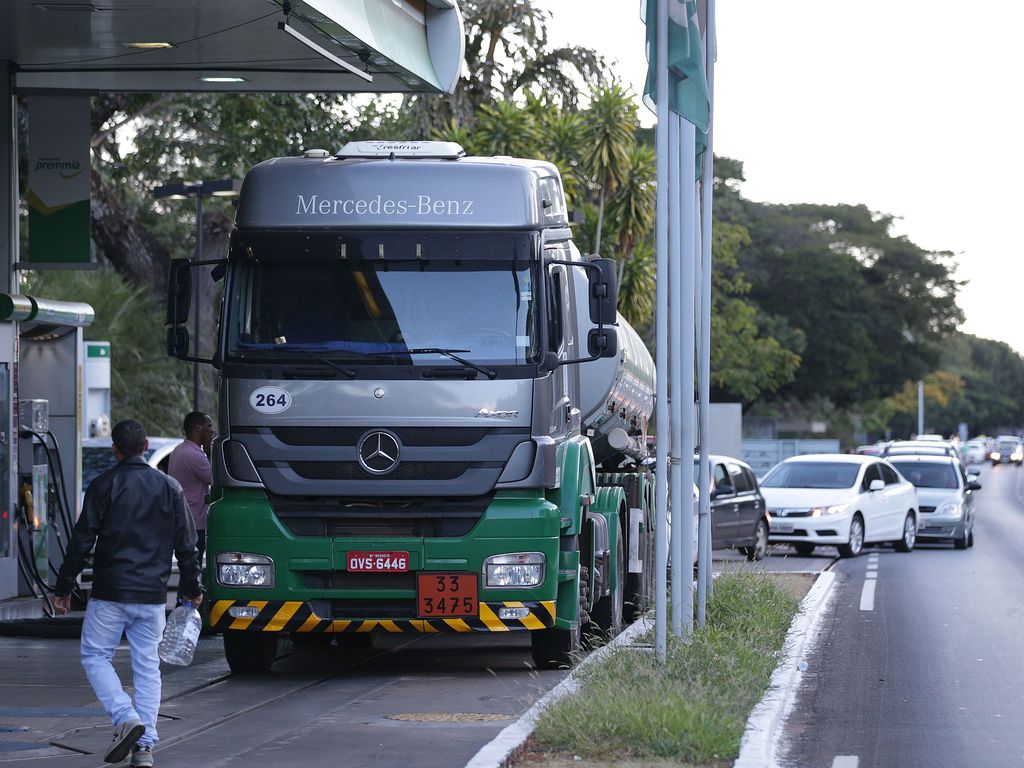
(96, 390)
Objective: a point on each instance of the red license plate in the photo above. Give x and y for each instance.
(377, 562)
(446, 595)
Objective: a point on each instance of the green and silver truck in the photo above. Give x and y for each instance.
(431, 416)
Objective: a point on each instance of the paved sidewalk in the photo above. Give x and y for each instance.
(47, 707)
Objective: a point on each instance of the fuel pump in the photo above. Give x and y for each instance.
(34, 494)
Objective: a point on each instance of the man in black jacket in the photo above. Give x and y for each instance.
(136, 516)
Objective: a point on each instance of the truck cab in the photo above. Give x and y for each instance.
(407, 424)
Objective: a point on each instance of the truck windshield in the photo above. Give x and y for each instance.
(384, 311)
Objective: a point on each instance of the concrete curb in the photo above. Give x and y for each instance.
(763, 732)
(508, 744)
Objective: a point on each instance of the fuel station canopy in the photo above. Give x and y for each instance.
(381, 46)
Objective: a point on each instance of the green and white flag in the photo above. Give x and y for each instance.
(687, 79)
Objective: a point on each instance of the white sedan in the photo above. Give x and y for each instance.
(840, 499)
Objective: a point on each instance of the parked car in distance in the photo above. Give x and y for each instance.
(739, 519)
(1007, 449)
(945, 493)
(920, 448)
(97, 456)
(839, 499)
(870, 450)
(975, 451)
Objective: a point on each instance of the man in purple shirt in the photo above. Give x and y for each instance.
(189, 464)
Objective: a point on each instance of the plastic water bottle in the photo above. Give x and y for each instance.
(181, 634)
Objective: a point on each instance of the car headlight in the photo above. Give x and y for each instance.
(835, 509)
(244, 569)
(996, 455)
(520, 569)
(950, 509)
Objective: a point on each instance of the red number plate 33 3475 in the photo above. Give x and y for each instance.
(446, 595)
(376, 562)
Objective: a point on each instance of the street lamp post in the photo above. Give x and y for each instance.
(182, 190)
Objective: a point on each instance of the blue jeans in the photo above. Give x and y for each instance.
(143, 624)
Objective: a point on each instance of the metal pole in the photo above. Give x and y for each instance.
(687, 336)
(195, 295)
(677, 491)
(921, 408)
(661, 322)
(705, 580)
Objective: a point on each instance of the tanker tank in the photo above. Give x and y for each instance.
(617, 399)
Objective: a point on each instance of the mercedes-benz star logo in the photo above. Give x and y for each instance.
(379, 452)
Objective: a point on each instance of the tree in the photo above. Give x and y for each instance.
(507, 58)
(609, 139)
(145, 383)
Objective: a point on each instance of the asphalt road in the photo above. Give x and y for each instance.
(412, 700)
(928, 670)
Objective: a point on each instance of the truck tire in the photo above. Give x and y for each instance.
(607, 614)
(250, 653)
(556, 648)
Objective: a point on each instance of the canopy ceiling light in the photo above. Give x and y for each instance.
(283, 25)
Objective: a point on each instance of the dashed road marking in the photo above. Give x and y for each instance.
(846, 761)
(867, 595)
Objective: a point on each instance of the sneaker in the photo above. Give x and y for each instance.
(142, 756)
(125, 736)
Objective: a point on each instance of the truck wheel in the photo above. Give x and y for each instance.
(556, 648)
(607, 613)
(250, 652)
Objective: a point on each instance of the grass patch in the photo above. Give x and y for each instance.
(695, 707)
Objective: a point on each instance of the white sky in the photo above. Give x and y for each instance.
(910, 107)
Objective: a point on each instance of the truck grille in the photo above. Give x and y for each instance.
(407, 470)
(347, 580)
(426, 517)
(411, 436)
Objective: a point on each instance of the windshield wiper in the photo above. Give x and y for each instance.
(347, 371)
(449, 353)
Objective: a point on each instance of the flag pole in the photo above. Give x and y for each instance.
(676, 400)
(687, 337)
(706, 591)
(661, 322)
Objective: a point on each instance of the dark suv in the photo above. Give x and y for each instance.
(739, 518)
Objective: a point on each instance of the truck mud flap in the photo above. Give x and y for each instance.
(296, 616)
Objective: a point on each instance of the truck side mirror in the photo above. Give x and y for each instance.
(177, 341)
(179, 292)
(603, 342)
(604, 291)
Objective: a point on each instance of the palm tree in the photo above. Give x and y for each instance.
(633, 205)
(560, 139)
(505, 129)
(609, 137)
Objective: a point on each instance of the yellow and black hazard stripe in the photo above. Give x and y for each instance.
(296, 616)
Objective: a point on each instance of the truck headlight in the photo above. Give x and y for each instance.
(520, 569)
(951, 509)
(244, 569)
(835, 509)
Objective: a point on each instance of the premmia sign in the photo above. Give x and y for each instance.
(421, 205)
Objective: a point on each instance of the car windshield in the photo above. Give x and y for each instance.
(928, 474)
(98, 459)
(824, 474)
(385, 299)
(1007, 447)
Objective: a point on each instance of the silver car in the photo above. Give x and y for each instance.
(946, 495)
